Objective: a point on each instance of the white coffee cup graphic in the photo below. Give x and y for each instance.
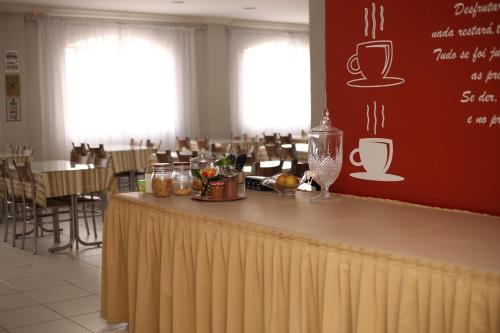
(375, 155)
(372, 60)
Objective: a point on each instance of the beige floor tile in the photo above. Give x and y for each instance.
(63, 266)
(92, 286)
(57, 326)
(9, 261)
(76, 306)
(116, 330)
(5, 289)
(80, 275)
(36, 282)
(20, 272)
(93, 260)
(27, 316)
(89, 251)
(15, 301)
(58, 293)
(93, 322)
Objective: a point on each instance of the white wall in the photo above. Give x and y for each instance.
(212, 68)
(12, 37)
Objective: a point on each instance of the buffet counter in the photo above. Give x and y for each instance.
(272, 264)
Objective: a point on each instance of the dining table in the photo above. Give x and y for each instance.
(268, 263)
(59, 179)
(129, 159)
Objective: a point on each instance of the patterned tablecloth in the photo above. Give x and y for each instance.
(127, 158)
(60, 178)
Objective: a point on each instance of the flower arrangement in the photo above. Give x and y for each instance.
(209, 174)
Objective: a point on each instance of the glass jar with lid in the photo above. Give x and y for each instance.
(198, 163)
(181, 178)
(161, 180)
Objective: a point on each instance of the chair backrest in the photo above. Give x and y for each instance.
(164, 157)
(97, 151)
(218, 148)
(76, 157)
(135, 143)
(269, 139)
(186, 157)
(28, 151)
(183, 143)
(287, 152)
(267, 171)
(25, 177)
(298, 168)
(5, 180)
(272, 151)
(150, 144)
(286, 138)
(11, 149)
(202, 143)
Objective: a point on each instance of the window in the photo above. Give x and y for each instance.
(103, 81)
(270, 82)
(118, 88)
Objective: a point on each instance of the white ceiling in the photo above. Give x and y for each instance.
(288, 11)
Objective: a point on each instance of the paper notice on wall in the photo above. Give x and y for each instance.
(12, 85)
(11, 61)
(13, 109)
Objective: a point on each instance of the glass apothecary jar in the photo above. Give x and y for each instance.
(198, 163)
(161, 180)
(181, 178)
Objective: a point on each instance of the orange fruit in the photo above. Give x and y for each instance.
(291, 181)
(281, 181)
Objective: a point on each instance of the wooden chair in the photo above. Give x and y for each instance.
(81, 149)
(298, 168)
(267, 171)
(150, 144)
(134, 143)
(186, 157)
(287, 152)
(286, 139)
(165, 157)
(203, 144)
(270, 139)
(218, 149)
(183, 144)
(272, 151)
(76, 157)
(9, 207)
(94, 199)
(31, 213)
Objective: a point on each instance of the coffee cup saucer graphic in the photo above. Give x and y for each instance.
(383, 177)
(371, 83)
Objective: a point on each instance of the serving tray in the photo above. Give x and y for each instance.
(205, 198)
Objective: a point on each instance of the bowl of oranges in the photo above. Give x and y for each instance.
(285, 183)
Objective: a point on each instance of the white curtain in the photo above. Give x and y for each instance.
(270, 81)
(107, 82)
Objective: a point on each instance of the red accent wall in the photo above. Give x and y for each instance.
(445, 146)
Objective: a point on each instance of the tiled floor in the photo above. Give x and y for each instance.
(51, 293)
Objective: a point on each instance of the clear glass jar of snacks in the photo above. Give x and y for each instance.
(161, 180)
(181, 178)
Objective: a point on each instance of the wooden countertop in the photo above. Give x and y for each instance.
(459, 238)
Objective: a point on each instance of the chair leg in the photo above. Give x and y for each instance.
(24, 234)
(84, 206)
(92, 207)
(55, 225)
(37, 224)
(14, 226)
(5, 218)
